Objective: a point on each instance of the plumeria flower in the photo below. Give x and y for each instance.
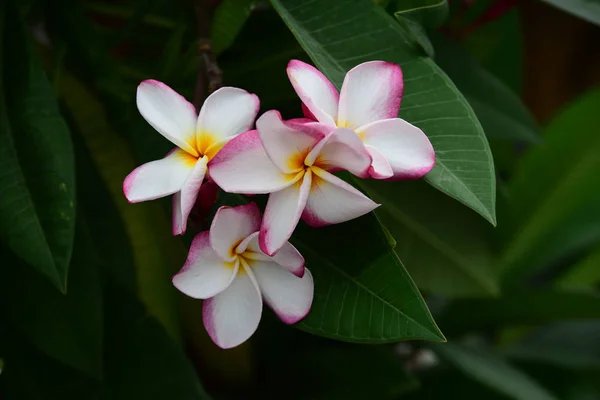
(226, 267)
(368, 104)
(226, 113)
(293, 161)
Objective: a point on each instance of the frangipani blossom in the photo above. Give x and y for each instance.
(291, 160)
(226, 113)
(368, 104)
(226, 267)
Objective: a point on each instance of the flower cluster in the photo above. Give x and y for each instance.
(244, 258)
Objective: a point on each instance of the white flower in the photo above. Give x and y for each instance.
(226, 267)
(226, 113)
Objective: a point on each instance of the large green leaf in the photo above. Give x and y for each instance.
(556, 192)
(491, 370)
(65, 327)
(588, 10)
(501, 112)
(37, 214)
(521, 308)
(339, 34)
(362, 291)
(442, 243)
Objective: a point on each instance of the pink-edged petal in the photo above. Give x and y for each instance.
(287, 257)
(332, 200)
(232, 316)
(380, 167)
(371, 91)
(289, 296)
(341, 149)
(307, 114)
(159, 178)
(230, 226)
(287, 142)
(282, 214)
(406, 148)
(227, 112)
(204, 274)
(184, 201)
(169, 113)
(242, 166)
(316, 91)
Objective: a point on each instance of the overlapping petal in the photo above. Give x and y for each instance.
(282, 214)
(232, 316)
(287, 142)
(289, 296)
(380, 167)
(230, 226)
(205, 273)
(287, 257)
(371, 91)
(169, 113)
(184, 201)
(341, 149)
(242, 166)
(332, 200)
(406, 148)
(317, 93)
(159, 178)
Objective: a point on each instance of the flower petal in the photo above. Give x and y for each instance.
(282, 214)
(227, 112)
(289, 296)
(287, 142)
(159, 178)
(371, 91)
(341, 149)
(242, 166)
(287, 257)
(169, 113)
(406, 148)
(332, 200)
(316, 92)
(232, 316)
(230, 226)
(380, 167)
(184, 201)
(204, 274)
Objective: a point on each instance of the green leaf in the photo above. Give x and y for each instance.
(228, 20)
(428, 13)
(555, 193)
(491, 370)
(519, 308)
(584, 274)
(142, 362)
(65, 327)
(500, 111)
(362, 291)
(442, 243)
(339, 34)
(588, 10)
(37, 214)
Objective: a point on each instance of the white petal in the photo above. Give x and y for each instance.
(286, 142)
(232, 316)
(380, 167)
(282, 214)
(332, 200)
(287, 257)
(371, 91)
(289, 296)
(169, 113)
(341, 149)
(184, 201)
(406, 148)
(159, 178)
(242, 166)
(231, 225)
(204, 274)
(227, 112)
(316, 91)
